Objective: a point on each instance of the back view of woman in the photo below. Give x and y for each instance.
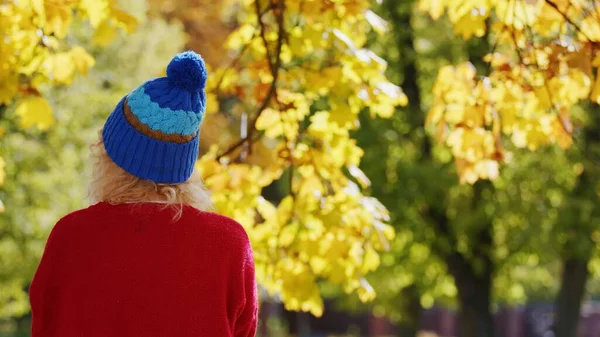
(147, 259)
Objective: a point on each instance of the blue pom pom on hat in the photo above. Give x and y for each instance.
(153, 132)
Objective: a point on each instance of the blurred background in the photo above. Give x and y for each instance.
(402, 167)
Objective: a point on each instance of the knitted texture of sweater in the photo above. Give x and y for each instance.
(130, 270)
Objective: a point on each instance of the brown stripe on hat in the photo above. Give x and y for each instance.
(144, 129)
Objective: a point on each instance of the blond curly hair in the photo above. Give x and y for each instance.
(112, 184)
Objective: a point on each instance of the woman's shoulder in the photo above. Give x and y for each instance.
(70, 221)
(217, 221)
(97, 210)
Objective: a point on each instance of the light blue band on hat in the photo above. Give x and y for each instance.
(167, 121)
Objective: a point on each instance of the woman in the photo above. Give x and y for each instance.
(147, 259)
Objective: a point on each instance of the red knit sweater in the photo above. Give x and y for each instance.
(129, 270)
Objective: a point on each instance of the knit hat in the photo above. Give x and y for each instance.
(153, 132)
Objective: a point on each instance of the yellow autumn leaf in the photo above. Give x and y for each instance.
(61, 67)
(517, 13)
(320, 126)
(596, 60)
(38, 7)
(359, 175)
(58, 20)
(266, 209)
(543, 98)
(343, 116)
(466, 171)
(105, 33)
(8, 89)
(570, 88)
(270, 121)
(285, 210)
(2, 172)
(242, 36)
(371, 260)
(288, 234)
(96, 10)
(595, 95)
(81, 59)
(366, 293)
(487, 169)
(377, 22)
(34, 111)
(124, 19)
(435, 8)
(591, 27)
(212, 104)
(33, 65)
(396, 96)
(471, 24)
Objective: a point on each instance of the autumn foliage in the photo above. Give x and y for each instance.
(542, 63)
(33, 52)
(295, 87)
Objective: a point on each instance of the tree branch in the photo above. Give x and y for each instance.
(232, 65)
(237, 145)
(259, 15)
(244, 48)
(291, 180)
(3, 109)
(445, 239)
(536, 64)
(546, 86)
(274, 66)
(564, 15)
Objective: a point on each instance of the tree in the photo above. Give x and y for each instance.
(577, 229)
(531, 84)
(404, 175)
(35, 53)
(541, 67)
(455, 242)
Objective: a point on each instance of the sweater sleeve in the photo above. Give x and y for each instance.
(44, 284)
(248, 317)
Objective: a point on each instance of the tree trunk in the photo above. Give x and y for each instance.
(568, 303)
(411, 300)
(475, 317)
(407, 330)
(303, 324)
(474, 295)
(575, 271)
(473, 276)
(400, 15)
(474, 283)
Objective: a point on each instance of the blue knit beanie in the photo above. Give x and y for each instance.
(153, 132)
